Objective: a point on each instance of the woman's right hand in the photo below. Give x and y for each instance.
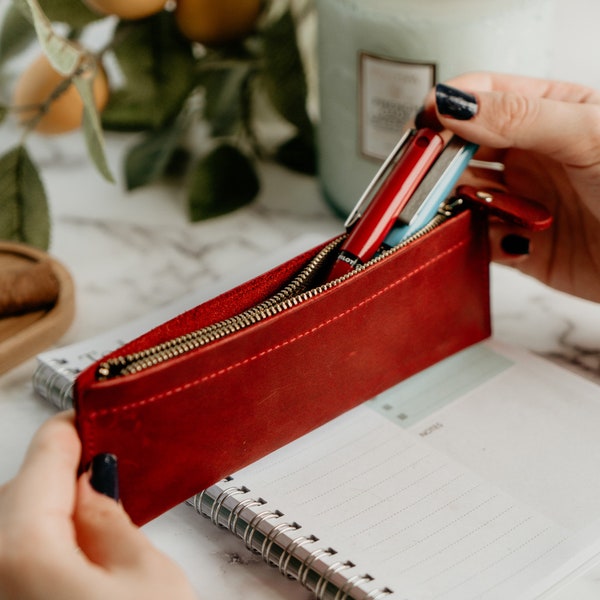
(547, 135)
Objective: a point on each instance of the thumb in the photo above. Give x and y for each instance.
(562, 130)
(105, 533)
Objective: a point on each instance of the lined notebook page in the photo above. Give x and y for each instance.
(415, 508)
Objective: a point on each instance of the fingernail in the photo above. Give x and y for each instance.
(426, 118)
(455, 103)
(516, 245)
(104, 477)
(420, 118)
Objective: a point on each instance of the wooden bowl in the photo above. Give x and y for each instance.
(25, 335)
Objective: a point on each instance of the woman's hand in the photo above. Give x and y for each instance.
(547, 135)
(61, 539)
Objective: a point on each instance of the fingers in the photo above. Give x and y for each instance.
(559, 120)
(108, 538)
(100, 523)
(509, 246)
(528, 86)
(36, 532)
(61, 538)
(105, 533)
(46, 480)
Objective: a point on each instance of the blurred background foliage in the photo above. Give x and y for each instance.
(193, 78)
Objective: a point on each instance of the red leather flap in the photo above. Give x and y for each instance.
(185, 424)
(509, 207)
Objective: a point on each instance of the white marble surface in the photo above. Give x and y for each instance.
(129, 253)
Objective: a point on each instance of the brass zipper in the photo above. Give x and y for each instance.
(294, 293)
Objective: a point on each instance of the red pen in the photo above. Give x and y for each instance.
(368, 232)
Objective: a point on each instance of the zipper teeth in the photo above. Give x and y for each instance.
(132, 363)
(291, 295)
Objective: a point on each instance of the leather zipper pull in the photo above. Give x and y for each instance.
(508, 207)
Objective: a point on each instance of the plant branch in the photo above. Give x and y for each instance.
(43, 107)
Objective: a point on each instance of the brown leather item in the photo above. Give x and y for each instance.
(36, 302)
(27, 288)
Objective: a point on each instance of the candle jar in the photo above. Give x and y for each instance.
(379, 58)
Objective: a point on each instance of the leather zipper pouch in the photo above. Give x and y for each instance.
(239, 376)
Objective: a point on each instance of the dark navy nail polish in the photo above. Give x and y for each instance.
(104, 477)
(455, 103)
(426, 118)
(420, 118)
(515, 245)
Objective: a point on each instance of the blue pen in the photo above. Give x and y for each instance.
(436, 186)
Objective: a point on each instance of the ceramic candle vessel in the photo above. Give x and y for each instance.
(379, 58)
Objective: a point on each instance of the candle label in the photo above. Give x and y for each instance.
(390, 92)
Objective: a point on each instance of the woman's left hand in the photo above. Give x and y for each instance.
(60, 538)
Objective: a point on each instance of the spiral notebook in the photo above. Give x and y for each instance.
(475, 479)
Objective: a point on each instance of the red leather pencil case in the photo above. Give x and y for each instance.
(237, 377)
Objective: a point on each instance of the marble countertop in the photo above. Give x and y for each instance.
(130, 253)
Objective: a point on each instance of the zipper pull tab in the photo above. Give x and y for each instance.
(508, 207)
(451, 206)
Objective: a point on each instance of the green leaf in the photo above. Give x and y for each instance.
(158, 70)
(10, 196)
(24, 215)
(299, 154)
(148, 160)
(225, 95)
(178, 164)
(16, 35)
(64, 55)
(223, 181)
(72, 12)
(283, 72)
(92, 128)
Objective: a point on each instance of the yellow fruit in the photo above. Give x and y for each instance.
(214, 22)
(127, 9)
(36, 86)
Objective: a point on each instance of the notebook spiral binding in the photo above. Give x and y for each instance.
(282, 545)
(53, 380)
